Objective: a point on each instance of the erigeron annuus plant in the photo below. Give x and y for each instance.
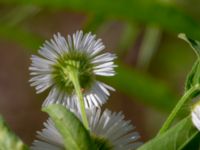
(68, 67)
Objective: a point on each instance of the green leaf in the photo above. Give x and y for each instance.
(169, 17)
(193, 78)
(8, 140)
(193, 144)
(176, 138)
(75, 136)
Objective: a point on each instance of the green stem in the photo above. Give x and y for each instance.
(74, 78)
(177, 108)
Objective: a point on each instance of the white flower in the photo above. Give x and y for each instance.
(196, 116)
(84, 53)
(110, 126)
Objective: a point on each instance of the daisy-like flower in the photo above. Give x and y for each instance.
(80, 53)
(196, 116)
(109, 127)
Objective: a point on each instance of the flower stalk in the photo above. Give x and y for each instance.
(73, 75)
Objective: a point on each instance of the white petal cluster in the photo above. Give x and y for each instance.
(110, 126)
(196, 116)
(50, 53)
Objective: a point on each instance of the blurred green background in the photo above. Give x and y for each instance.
(153, 62)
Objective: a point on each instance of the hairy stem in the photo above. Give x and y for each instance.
(74, 78)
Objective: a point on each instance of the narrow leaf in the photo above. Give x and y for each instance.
(175, 138)
(8, 140)
(74, 134)
(193, 78)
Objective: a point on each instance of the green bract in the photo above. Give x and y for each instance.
(73, 61)
(101, 143)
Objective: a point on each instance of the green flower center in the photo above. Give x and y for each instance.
(79, 63)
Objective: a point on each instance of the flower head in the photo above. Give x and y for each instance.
(109, 127)
(80, 54)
